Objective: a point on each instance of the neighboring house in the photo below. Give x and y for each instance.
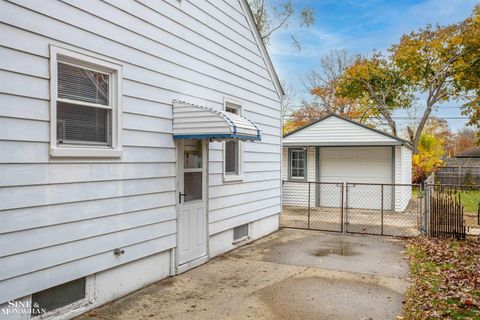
(472, 154)
(138, 139)
(335, 149)
(463, 168)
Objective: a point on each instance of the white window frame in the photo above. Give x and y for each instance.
(95, 63)
(239, 176)
(290, 166)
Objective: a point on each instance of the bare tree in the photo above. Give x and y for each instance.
(271, 17)
(321, 84)
(289, 95)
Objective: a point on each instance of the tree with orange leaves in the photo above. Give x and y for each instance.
(302, 116)
(464, 140)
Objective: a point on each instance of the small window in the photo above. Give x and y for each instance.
(85, 105)
(233, 151)
(298, 164)
(57, 297)
(240, 232)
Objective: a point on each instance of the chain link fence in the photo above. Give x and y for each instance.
(381, 209)
(404, 210)
(384, 209)
(312, 205)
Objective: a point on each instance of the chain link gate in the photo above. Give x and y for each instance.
(313, 205)
(384, 209)
(366, 208)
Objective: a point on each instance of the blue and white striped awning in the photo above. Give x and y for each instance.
(192, 121)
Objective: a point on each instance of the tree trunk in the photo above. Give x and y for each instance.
(391, 123)
(420, 127)
(393, 126)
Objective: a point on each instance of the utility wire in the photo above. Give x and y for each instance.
(398, 118)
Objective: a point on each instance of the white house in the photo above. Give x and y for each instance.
(138, 139)
(335, 149)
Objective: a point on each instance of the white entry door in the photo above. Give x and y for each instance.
(192, 218)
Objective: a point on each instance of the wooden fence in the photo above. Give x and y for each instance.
(459, 175)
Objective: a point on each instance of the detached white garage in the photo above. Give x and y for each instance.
(339, 150)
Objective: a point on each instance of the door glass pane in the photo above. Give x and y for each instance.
(192, 186)
(192, 154)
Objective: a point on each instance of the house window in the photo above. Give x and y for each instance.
(240, 233)
(298, 163)
(85, 105)
(233, 150)
(57, 297)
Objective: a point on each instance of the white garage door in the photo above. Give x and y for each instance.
(357, 165)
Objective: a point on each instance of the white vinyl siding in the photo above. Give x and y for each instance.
(295, 192)
(284, 164)
(403, 175)
(311, 168)
(334, 131)
(79, 209)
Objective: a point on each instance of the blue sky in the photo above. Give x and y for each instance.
(360, 26)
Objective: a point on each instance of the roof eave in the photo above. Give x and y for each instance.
(351, 144)
(402, 141)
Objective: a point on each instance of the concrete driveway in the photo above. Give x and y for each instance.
(292, 274)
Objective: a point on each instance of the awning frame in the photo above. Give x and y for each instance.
(235, 127)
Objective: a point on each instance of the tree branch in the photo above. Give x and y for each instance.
(282, 22)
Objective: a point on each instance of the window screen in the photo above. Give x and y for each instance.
(58, 296)
(297, 163)
(240, 232)
(83, 106)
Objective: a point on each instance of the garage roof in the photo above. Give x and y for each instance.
(334, 130)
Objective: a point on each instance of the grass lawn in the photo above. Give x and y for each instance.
(470, 200)
(445, 277)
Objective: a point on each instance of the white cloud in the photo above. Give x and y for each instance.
(312, 40)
